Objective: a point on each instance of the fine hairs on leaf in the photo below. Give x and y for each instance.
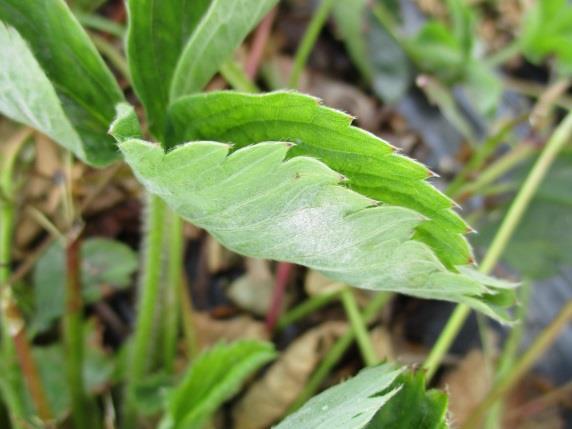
(314, 198)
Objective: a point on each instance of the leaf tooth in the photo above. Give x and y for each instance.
(470, 230)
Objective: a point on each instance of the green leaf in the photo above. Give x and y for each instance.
(541, 246)
(280, 201)
(97, 370)
(27, 96)
(412, 407)
(86, 88)
(436, 50)
(214, 40)
(158, 32)
(105, 264)
(547, 30)
(396, 398)
(483, 88)
(126, 125)
(213, 378)
(350, 20)
(371, 165)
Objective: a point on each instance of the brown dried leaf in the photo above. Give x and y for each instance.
(253, 290)
(211, 331)
(467, 385)
(269, 398)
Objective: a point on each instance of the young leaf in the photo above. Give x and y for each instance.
(396, 398)
(213, 378)
(27, 96)
(105, 262)
(257, 204)
(158, 32)
(86, 88)
(214, 40)
(547, 30)
(430, 407)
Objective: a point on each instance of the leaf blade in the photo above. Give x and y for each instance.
(212, 379)
(214, 40)
(157, 35)
(27, 95)
(261, 205)
(86, 88)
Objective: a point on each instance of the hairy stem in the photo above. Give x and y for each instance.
(359, 327)
(558, 140)
(309, 40)
(172, 291)
(146, 304)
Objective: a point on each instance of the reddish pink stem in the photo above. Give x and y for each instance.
(258, 43)
(283, 273)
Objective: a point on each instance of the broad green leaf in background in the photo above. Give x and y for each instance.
(436, 51)
(158, 32)
(27, 96)
(175, 47)
(547, 30)
(395, 397)
(351, 25)
(51, 361)
(213, 378)
(105, 264)
(412, 407)
(85, 86)
(483, 88)
(221, 30)
(301, 210)
(542, 244)
(379, 58)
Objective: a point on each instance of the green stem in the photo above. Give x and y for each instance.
(480, 156)
(112, 54)
(146, 304)
(509, 354)
(237, 78)
(534, 352)
(337, 352)
(506, 53)
(507, 162)
(172, 291)
(99, 23)
(308, 41)
(73, 335)
(558, 140)
(307, 307)
(359, 327)
(10, 384)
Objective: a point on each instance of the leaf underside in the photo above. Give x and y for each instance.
(371, 165)
(270, 200)
(86, 89)
(27, 95)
